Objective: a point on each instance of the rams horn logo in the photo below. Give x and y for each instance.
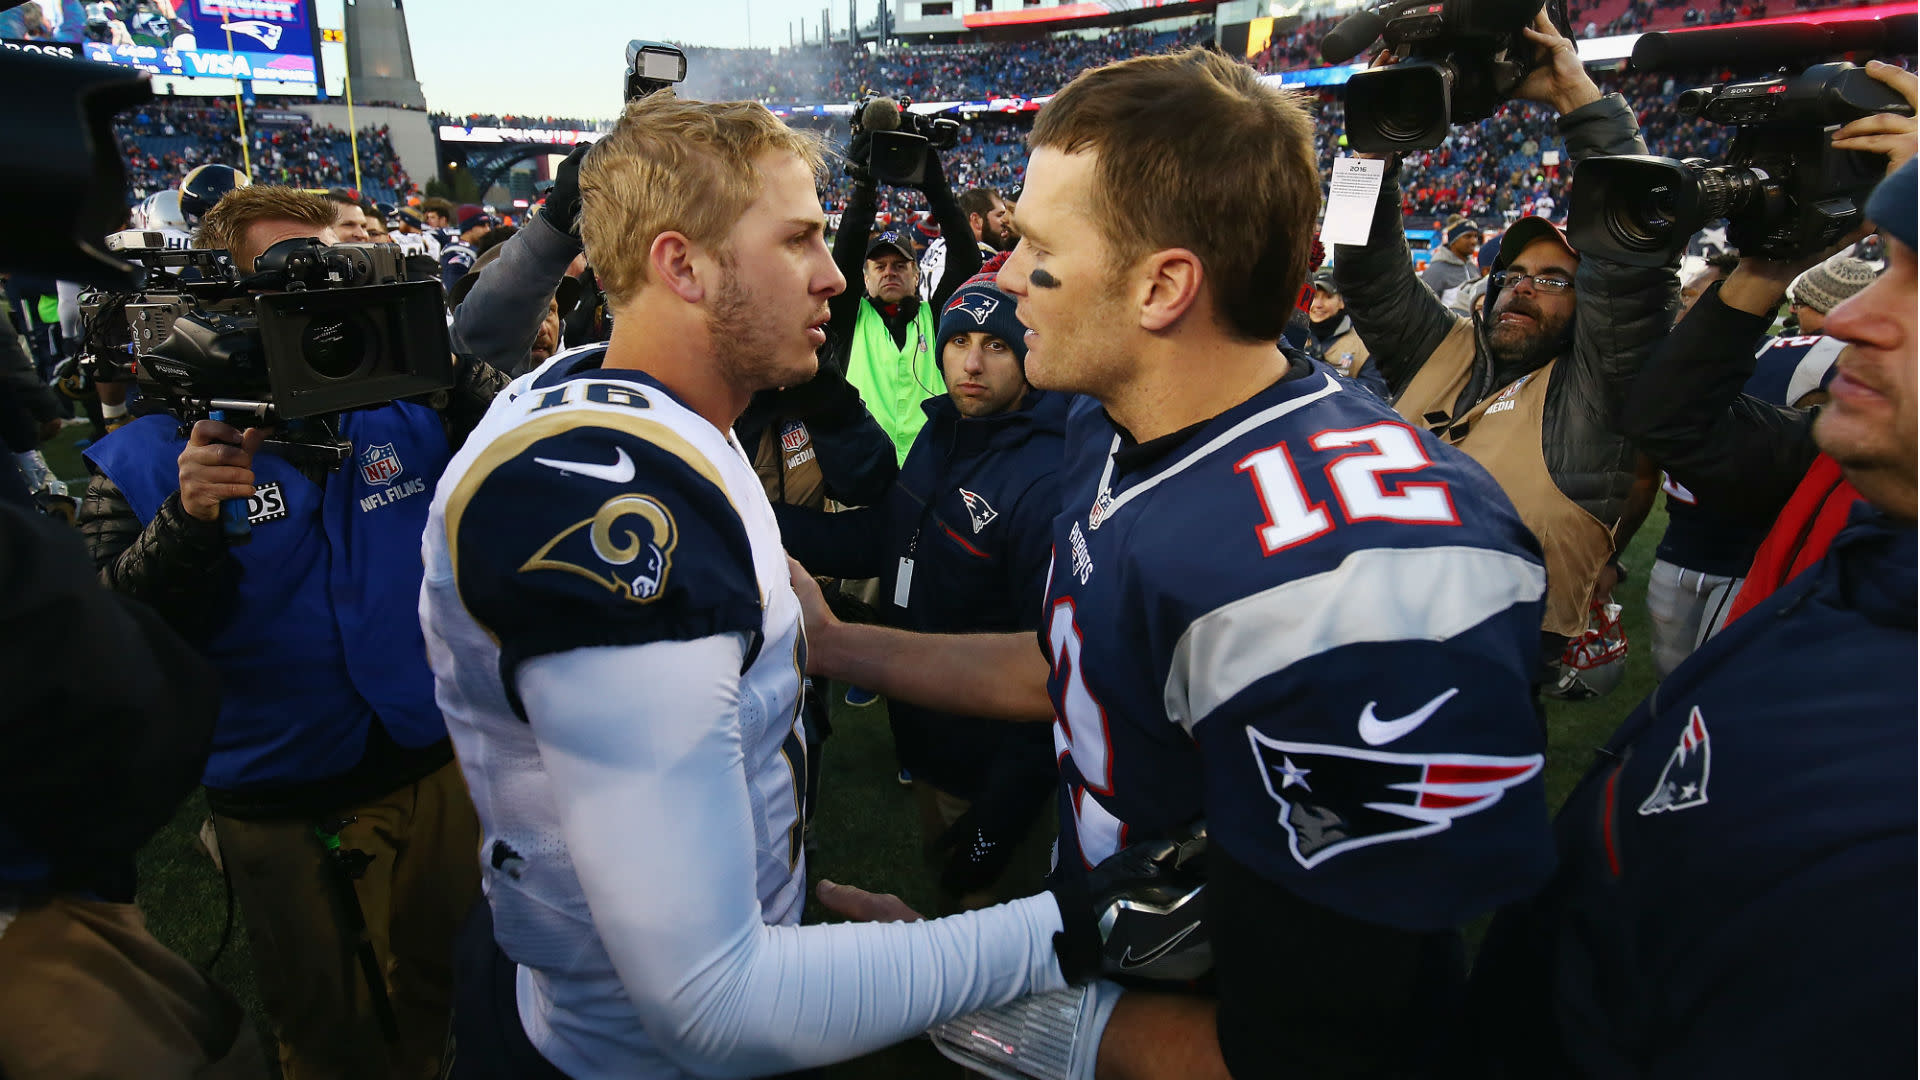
(631, 565)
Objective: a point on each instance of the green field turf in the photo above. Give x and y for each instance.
(866, 825)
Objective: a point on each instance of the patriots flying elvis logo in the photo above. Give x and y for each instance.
(267, 33)
(1334, 799)
(978, 510)
(1683, 782)
(977, 304)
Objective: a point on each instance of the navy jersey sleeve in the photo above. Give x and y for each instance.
(640, 544)
(1368, 735)
(454, 264)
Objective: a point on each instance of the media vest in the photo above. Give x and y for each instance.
(892, 379)
(323, 635)
(1503, 433)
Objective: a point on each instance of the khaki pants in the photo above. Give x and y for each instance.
(425, 874)
(86, 992)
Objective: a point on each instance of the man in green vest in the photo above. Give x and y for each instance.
(881, 330)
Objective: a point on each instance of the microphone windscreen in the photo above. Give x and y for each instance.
(1354, 34)
(880, 114)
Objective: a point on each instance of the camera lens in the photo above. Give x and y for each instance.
(1726, 190)
(1645, 219)
(334, 347)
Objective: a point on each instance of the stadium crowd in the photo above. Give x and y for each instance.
(506, 686)
(164, 140)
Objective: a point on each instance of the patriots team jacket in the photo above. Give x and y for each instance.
(964, 539)
(1737, 871)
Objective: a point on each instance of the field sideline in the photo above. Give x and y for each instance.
(865, 823)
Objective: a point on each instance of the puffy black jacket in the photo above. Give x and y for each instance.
(1740, 454)
(1621, 313)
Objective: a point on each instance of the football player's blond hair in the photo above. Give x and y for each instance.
(225, 226)
(674, 165)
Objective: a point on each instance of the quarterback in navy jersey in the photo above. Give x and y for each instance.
(1277, 616)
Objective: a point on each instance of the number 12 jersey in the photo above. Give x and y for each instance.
(1314, 626)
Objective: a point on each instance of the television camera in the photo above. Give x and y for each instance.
(1784, 190)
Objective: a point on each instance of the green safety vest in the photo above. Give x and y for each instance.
(893, 380)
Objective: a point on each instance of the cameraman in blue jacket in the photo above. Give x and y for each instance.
(342, 820)
(962, 543)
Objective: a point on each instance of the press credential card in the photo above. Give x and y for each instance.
(1354, 190)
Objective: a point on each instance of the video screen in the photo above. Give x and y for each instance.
(228, 39)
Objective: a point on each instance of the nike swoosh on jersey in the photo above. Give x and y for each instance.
(619, 472)
(1377, 732)
(1128, 961)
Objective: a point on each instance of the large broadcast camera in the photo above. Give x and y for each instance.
(1461, 59)
(898, 142)
(313, 330)
(1785, 191)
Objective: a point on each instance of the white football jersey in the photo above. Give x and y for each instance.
(592, 509)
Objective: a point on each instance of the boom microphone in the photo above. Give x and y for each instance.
(880, 114)
(1351, 37)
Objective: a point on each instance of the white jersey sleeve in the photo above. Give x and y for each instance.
(654, 807)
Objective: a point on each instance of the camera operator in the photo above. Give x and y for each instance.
(1529, 389)
(987, 215)
(85, 781)
(962, 544)
(332, 782)
(1735, 891)
(1750, 459)
(880, 326)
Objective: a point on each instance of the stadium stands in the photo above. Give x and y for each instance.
(163, 140)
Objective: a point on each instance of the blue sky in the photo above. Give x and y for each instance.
(565, 57)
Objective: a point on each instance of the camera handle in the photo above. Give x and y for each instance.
(233, 512)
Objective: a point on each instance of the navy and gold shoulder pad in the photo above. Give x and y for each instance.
(573, 531)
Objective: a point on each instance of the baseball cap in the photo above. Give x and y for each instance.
(1323, 280)
(891, 240)
(1525, 232)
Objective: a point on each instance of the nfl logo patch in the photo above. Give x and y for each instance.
(379, 464)
(793, 437)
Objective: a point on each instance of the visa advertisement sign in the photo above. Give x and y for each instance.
(227, 39)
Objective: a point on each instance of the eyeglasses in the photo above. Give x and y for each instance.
(1542, 283)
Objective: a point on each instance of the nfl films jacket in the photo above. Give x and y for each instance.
(1736, 886)
(312, 624)
(964, 537)
(1622, 313)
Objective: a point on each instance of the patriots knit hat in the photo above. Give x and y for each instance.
(1461, 228)
(1824, 286)
(470, 215)
(1892, 205)
(980, 306)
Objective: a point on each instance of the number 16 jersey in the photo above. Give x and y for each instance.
(1314, 626)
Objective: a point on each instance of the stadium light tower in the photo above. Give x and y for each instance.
(380, 54)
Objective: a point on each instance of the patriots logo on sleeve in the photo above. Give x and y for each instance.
(1334, 799)
(607, 551)
(1683, 782)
